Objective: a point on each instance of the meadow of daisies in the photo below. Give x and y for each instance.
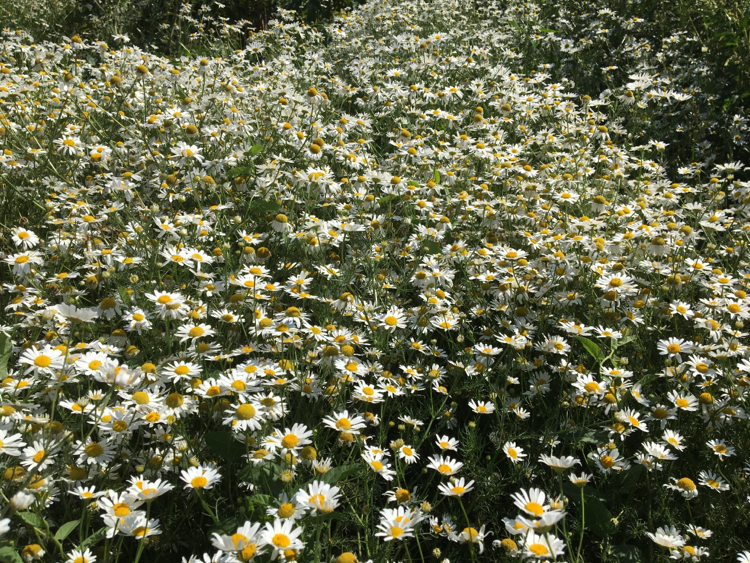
(436, 281)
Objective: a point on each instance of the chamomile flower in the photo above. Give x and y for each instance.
(456, 488)
(202, 477)
(280, 536)
(514, 453)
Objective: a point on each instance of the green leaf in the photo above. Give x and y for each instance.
(631, 477)
(32, 519)
(255, 149)
(124, 295)
(9, 555)
(265, 500)
(228, 526)
(6, 347)
(337, 474)
(436, 176)
(598, 518)
(65, 530)
(94, 538)
(627, 553)
(263, 206)
(388, 199)
(239, 171)
(223, 444)
(412, 183)
(431, 247)
(591, 347)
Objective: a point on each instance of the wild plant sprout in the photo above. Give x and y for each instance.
(431, 280)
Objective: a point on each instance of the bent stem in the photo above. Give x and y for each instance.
(206, 507)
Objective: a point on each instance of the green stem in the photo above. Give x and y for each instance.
(142, 541)
(469, 530)
(583, 523)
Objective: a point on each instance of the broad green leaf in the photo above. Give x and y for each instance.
(124, 295)
(94, 538)
(32, 519)
(65, 530)
(9, 555)
(631, 477)
(431, 247)
(264, 500)
(227, 527)
(388, 199)
(627, 553)
(436, 176)
(223, 444)
(239, 171)
(6, 347)
(263, 206)
(412, 183)
(591, 347)
(598, 518)
(339, 473)
(255, 149)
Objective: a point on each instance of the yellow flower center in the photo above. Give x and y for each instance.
(535, 508)
(93, 450)
(198, 482)
(245, 412)
(289, 441)
(42, 361)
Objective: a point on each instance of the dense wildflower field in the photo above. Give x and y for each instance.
(437, 281)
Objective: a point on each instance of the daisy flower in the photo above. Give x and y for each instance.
(392, 319)
(669, 537)
(398, 523)
(94, 453)
(514, 453)
(542, 546)
(531, 501)
(713, 481)
(444, 465)
(457, 488)
(291, 440)
(447, 443)
(559, 464)
(193, 332)
(379, 464)
(344, 422)
(25, 238)
(318, 497)
(685, 486)
(246, 541)
(145, 490)
(408, 454)
(481, 407)
(673, 348)
(244, 416)
(202, 477)
(10, 444)
(281, 536)
(720, 448)
(47, 360)
(683, 401)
